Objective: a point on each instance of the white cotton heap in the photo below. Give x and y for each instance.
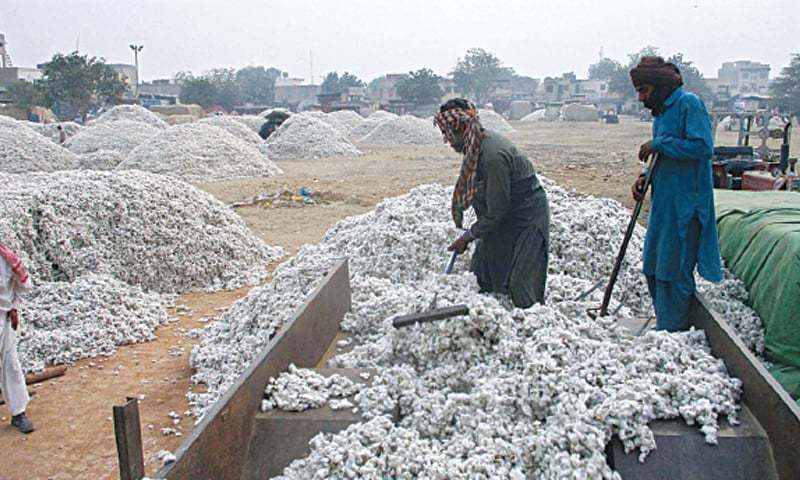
(100, 160)
(50, 130)
(23, 150)
(303, 137)
(370, 123)
(729, 298)
(302, 389)
(253, 122)
(88, 317)
(145, 229)
(199, 152)
(526, 394)
(235, 128)
(134, 113)
(344, 120)
(492, 120)
(121, 136)
(404, 130)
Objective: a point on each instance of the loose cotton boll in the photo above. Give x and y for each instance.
(121, 136)
(253, 122)
(23, 150)
(199, 152)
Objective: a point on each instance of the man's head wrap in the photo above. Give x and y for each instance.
(459, 122)
(664, 76)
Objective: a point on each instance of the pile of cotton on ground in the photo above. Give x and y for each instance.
(121, 136)
(199, 152)
(235, 128)
(370, 123)
(23, 150)
(50, 130)
(504, 385)
(90, 316)
(145, 229)
(492, 120)
(100, 160)
(304, 137)
(406, 129)
(134, 113)
(345, 120)
(253, 122)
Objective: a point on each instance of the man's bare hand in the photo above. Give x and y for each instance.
(637, 189)
(645, 151)
(459, 245)
(13, 317)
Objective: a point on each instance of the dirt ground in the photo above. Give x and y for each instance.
(74, 437)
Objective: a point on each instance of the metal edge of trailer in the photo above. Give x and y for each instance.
(218, 446)
(772, 406)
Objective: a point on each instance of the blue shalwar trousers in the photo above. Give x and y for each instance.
(671, 298)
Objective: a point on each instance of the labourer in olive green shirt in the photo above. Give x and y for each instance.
(500, 184)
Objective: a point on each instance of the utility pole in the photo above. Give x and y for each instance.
(136, 49)
(311, 66)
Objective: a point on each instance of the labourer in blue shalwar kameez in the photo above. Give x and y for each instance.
(682, 228)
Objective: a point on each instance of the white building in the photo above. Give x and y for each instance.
(742, 77)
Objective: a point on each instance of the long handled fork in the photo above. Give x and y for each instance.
(603, 310)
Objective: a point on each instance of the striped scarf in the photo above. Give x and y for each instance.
(15, 263)
(459, 124)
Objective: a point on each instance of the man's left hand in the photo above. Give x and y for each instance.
(459, 245)
(645, 151)
(13, 317)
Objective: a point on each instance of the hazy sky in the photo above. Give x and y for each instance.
(372, 37)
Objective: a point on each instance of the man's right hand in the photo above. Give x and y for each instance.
(13, 317)
(637, 189)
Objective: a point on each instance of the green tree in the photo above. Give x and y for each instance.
(27, 94)
(476, 73)
(73, 83)
(420, 87)
(786, 88)
(197, 90)
(605, 69)
(257, 84)
(333, 83)
(693, 80)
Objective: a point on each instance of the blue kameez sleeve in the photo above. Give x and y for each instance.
(698, 144)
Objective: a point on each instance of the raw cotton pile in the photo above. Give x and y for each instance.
(494, 121)
(501, 387)
(369, 124)
(535, 116)
(305, 137)
(407, 129)
(100, 160)
(134, 113)
(729, 299)
(301, 389)
(345, 120)
(253, 122)
(199, 152)
(144, 229)
(90, 316)
(579, 113)
(50, 130)
(235, 128)
(121, 136)
(23, 150)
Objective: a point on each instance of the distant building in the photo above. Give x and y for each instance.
(5, 57)
(568, 88)
(354, 98)
(12, 75)
(164, 86)
(742, 77)
(384, 89)
(127, 73)
(292, 93)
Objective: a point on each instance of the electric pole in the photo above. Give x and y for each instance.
(136, 49)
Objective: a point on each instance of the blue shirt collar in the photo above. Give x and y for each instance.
(677, 93)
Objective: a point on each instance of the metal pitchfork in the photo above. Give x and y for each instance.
(603, 310)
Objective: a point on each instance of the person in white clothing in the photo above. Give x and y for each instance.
(13, 282)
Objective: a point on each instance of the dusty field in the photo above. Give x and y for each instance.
(74, 437)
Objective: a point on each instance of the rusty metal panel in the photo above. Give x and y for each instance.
(772, 406)
(217, 448)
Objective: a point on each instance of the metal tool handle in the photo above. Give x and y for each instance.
(450, 263)
(651, 166)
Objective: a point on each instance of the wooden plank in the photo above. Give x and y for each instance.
(430, 316)
(772, 406)
(127, 431)
(217, 449)
(46, 374)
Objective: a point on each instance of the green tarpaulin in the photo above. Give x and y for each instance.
(759, 236)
